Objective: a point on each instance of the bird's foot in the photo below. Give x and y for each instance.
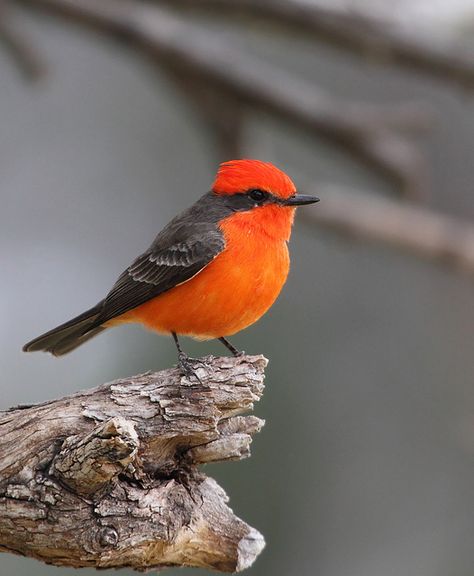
(187, 365)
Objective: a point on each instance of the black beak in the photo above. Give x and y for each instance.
(300, 200)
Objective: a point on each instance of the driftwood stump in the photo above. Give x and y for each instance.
(109, 477)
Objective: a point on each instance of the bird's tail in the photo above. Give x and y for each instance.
(70, 335)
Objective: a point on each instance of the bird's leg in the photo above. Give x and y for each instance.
(230, 347)
(184, 361)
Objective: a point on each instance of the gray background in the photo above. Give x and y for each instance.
(365, 466)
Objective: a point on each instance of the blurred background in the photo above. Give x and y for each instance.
(113, 118)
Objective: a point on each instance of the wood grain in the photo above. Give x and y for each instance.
(109, 477)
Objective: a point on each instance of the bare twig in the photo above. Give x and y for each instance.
(366, 131)
(420, 231)
(20, 49)
(109, 477)
(361, 33)
(222, 113)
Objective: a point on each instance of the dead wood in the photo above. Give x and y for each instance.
(109, 477)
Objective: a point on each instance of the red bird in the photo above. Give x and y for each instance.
(212, 271)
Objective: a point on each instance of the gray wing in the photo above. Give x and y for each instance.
(173, 258)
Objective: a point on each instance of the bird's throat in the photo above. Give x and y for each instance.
(271, 221)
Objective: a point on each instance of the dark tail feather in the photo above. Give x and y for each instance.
(70, 335)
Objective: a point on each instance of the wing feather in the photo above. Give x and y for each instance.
(170, 261)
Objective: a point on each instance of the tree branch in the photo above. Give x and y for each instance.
(109, 477)
(420, 231)
(359, 32)
(23, 54)
(375, 135)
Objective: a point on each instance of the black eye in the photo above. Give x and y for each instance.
(257, 195)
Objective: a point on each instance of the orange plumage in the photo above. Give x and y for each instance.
(231, 293)
(243, 281)
(240, 175)
(214, 270)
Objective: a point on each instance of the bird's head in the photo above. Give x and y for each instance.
(262, 193)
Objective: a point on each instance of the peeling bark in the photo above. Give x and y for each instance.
(109, 477)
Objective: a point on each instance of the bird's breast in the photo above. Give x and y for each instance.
(229, 294)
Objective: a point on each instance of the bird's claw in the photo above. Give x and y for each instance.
(186, 365)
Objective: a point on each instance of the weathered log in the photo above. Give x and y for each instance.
(109, 477)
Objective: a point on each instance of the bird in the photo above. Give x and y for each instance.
(214, 270)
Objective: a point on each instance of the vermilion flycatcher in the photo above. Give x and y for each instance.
(212, 271)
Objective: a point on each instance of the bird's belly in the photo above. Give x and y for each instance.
(231, 293)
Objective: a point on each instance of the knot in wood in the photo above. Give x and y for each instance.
(108, 537)
(87, 464)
